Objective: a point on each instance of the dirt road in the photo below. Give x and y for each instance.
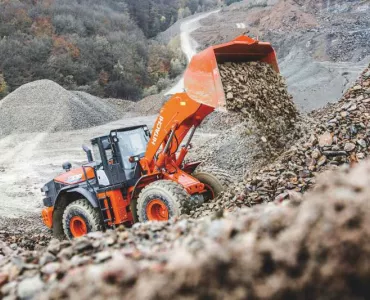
(188, 44)
(29, 160)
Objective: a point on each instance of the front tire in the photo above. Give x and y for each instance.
(162, 200)
(80, 218)
(215, 180)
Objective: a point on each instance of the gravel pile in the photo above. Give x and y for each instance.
(150, 105)
(25, 233)
(262, 120)
(341, 137)
(124, 105)
(257, 92)
(318, 247)
(219, 121)
(44, 106)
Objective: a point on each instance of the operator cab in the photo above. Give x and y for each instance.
(117, 155)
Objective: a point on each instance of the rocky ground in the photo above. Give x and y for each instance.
(318, 246)
(341, 136)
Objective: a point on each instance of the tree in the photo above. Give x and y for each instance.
(99, 46)
(3, 87)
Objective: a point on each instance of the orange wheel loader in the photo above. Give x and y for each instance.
(133, 174)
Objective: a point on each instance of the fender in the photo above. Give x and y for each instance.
(88, 195)
(79, 190)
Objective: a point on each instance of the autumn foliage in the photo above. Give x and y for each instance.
(98, 46)
(3, 86)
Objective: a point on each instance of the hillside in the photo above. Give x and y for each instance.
(100, 47)
(322, 46)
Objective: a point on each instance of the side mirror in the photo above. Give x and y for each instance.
(88, 153)
(67, 166)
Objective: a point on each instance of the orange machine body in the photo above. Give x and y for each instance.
(118, 211)
(75, 176)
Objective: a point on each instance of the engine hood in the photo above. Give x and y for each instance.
(76, 176)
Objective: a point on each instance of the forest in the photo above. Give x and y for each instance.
(103, 47)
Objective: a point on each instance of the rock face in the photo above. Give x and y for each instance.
(256, 91)
(319, 246)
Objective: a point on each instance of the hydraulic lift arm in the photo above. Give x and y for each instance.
(179, 115)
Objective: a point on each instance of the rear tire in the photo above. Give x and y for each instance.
(215, 180)
(80, 218)
(162, 200)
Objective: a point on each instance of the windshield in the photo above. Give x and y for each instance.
(107, 149)
(97, 157)
(133, 142)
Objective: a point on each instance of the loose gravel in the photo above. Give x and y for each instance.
(340, 136)
(260, 124)
(44, 106)
(319, 245)
(258, 93)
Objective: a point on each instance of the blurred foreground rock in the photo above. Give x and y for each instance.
(317, 248)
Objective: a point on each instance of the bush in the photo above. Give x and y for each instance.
(98, 45)
(3, 87)
(163, 83)
(177, 68)
(153, 90)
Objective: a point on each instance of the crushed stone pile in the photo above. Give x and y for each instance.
(125, 105)
(150, 105)
(259, 93)
(341, 137)
(319, 246)
(261, 122)
(237, 148)
(24, 233)
(219, 121)
(45, 106)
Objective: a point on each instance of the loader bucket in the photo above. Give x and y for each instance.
(202, 77)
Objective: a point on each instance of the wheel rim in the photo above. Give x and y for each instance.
(209, 194)
(78, 226)
(157, 211)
